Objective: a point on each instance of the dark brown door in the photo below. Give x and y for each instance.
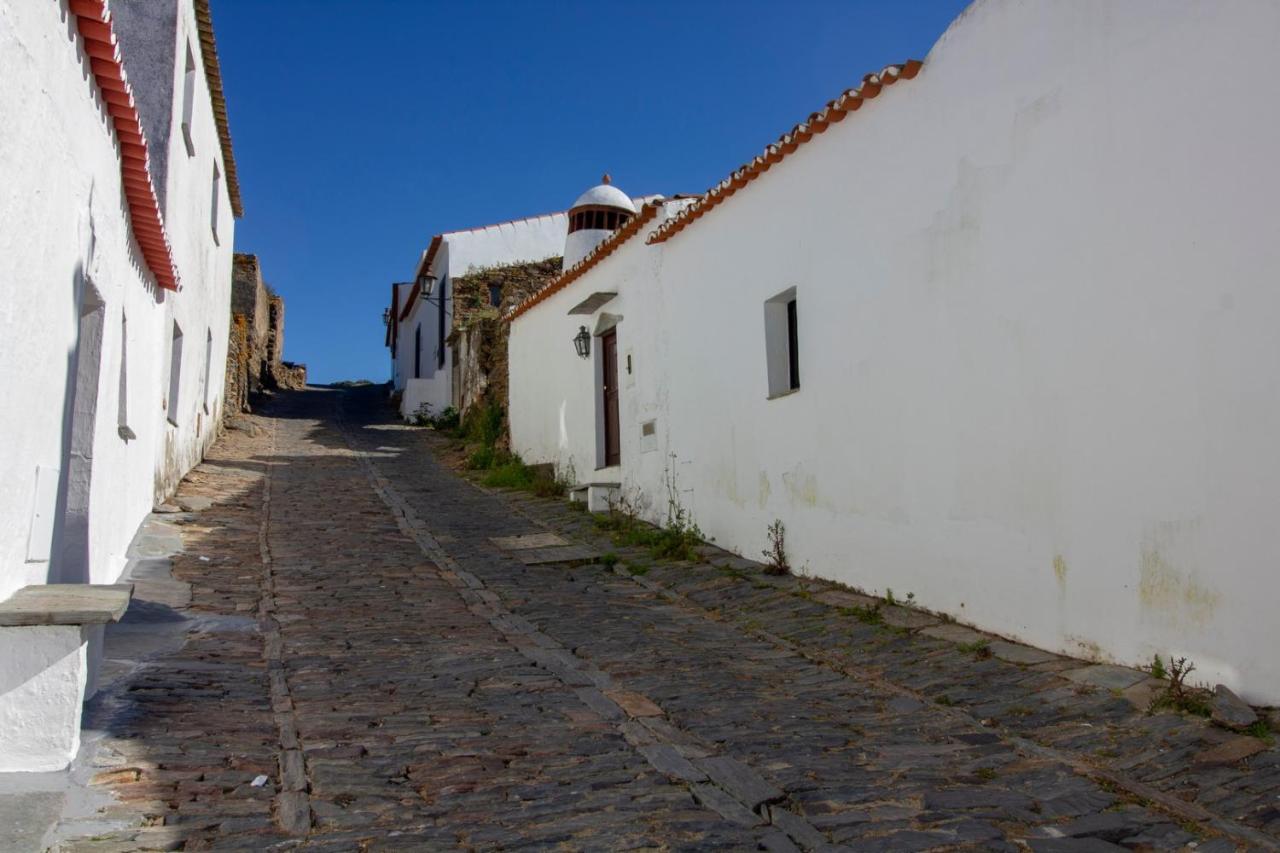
(609, 393)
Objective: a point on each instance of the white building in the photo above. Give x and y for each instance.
(421, 314)
(1001, 335)
(120, 193)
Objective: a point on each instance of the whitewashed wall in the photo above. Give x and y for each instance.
(533, 239)
(65, 222)
(1037, 310)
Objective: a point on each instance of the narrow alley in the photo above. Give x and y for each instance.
(374, 671)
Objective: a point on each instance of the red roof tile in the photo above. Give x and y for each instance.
(606, 248)
(93, 19)
(818, 122)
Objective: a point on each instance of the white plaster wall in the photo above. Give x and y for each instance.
(67, 221)
(460, 252)
(42, 685)
(1037, 338)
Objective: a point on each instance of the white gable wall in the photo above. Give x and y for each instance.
(461, 252)
(1036, 304)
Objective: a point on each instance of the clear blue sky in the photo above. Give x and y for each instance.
(362, 128)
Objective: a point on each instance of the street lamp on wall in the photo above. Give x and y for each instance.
(582, 342)
(426, 284)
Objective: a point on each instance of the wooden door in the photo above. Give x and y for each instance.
(609, 397)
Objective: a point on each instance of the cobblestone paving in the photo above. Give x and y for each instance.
(405, 683)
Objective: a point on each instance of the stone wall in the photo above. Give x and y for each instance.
(479, 337)
(256, 345)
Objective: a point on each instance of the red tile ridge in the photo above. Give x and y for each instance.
(93, 20)
(213, 77)
(816, 123)
(605, 248)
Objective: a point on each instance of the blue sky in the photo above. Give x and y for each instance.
(362, 128)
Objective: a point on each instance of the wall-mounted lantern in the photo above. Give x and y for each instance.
(582, 342)
(426, 284)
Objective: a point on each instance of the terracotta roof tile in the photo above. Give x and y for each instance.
(606, 248)
(93, 20)
(213, 76)
(816, 123)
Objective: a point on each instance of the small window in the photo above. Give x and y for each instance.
(175, 375)
(417, 352)
(782, 343)
(188, 99)
(495, 295)
(208, 366)
(213, 207)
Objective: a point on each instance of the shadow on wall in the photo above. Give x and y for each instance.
(69, 547)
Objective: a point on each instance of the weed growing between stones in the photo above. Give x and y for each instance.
(868, 615)
(776, 562)
(1179, 696)
(978, 648)
(678, 540)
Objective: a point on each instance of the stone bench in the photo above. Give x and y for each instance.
(45, 668)
(596, 495)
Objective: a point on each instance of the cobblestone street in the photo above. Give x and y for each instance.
(353, 633)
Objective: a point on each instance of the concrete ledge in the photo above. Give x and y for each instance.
(65, 604)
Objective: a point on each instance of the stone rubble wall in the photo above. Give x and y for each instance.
(479, 337)
(254, 363)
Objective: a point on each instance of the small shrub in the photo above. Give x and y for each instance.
(775, 555)
(510, 474)
(1157, 668)
(609, 560)
(447, 420)
(483, 459)
(421, 416)
(986, 774)
(978, 648)
(1179, 696)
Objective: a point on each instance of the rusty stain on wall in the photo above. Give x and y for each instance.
(1060, 572)
(802, 485)
(1167, 572)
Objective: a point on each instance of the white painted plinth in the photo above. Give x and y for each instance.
(43, 672)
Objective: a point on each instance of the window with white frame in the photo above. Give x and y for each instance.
(175, 374)
(782, 343)
(188, 100)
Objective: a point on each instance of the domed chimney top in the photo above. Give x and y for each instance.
(596, 214)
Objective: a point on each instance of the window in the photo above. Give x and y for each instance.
(122, 393)
(782, 343)
(208, 364)
(495, 295)
(188, 99)
(175, 374)
(213, 206)
(417, 352)
(444, 293)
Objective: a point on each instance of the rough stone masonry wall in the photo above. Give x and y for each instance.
(256, 340)
(479, 337)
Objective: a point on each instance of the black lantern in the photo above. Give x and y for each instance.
(582, 342)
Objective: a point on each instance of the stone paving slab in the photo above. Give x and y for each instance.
(529, 540)
(569, 555)
(65, 604)
(432, 690)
